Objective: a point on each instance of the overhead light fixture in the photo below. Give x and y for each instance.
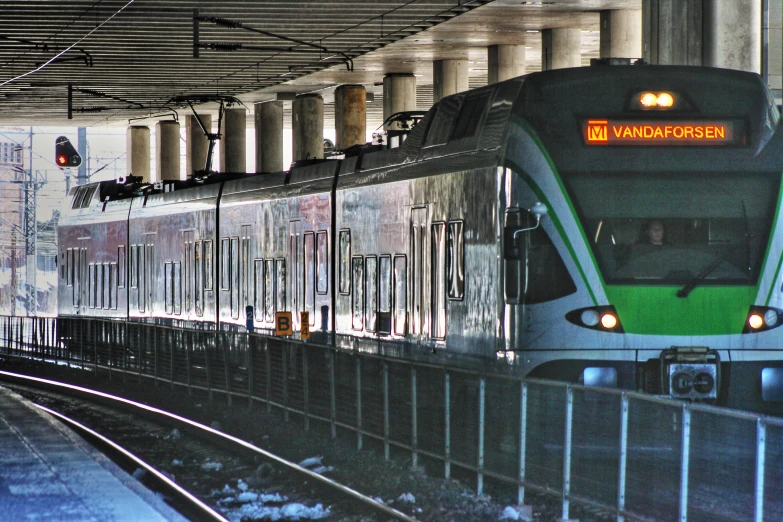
(532, 31)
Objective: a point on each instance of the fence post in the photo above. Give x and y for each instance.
(251, 344)
(686, 448)
(522, 441)
(623, 457)
(285, 382)
(414, 418)
(207, 366)
(332, 395)
(173, 347)
(138, 356)
(113, 327)
(268, 376)
(155, 352)
(359, 440)
(567, 450)
(482, 416)
(447, 425)
(189, 361)
(761, 448)
(386, 410)
(306, 386)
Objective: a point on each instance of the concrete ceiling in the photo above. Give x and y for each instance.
(128, 59)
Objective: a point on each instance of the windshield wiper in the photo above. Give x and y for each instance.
(687, 289)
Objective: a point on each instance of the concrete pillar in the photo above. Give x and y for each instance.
(505, 62)
(714, 33)
(138, 151)
(350, 115)
(399, 95)
(196, 143)
(167, 150)
(448, 77)
(561, 48)
(269, 136)
(232, 143)
(308, 123)
(621, 33)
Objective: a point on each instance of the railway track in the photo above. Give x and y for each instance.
(205, 474)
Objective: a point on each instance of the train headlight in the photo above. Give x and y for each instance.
(648, 99)
(608, 321)
(602, 318)
(590, 317)
(665, 100)
(762, 318)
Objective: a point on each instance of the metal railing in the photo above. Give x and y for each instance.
(637, 456)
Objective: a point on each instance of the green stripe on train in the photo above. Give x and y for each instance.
(656, 310)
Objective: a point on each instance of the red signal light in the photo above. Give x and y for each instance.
(62, 160)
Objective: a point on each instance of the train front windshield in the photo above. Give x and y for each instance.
(667, 228)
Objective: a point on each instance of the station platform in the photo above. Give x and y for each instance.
(47, 472)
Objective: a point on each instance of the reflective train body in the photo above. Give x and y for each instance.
(441, 245)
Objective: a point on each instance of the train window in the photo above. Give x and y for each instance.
(370, 293)
(208, 268)
(322, 260)
(134, 266)
(198, 273)
(345, 262)
(533, 270)
(225, 266)
(357, 269)
(69, 266)
(63, 267)
(469, 116)
(113, 275)
(455, 264)
(168, 294)
(90, 285)
(107, 286)
(269, 291)
(309, 270)
(177, 288)
(121, 267)
(258, 286)
(234, 274)
(148, 262)
(77, 199)
(438, 280)
(280, 290)
(443, 121)
(88, 196)
(384, 294)
(400, 293)
(246, 279)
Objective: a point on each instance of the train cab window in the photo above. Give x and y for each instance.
(281, 280)
(309, 272)
(322, 262)
(455, 262)
(370, 293)
(208, 266)
(121, 267)
(400, 285)
(69, 262)
(357, 275)
(77, 198)
(345, 262)
(269, 291)
(470, 114)
(258, 288)
(439, 280)
(168, 294)
(225, 264)
(384, 294)
(533, 270)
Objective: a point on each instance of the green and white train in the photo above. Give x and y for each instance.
(614, 225)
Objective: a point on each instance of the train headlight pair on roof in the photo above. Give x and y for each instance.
(761, 318)
(603, 318)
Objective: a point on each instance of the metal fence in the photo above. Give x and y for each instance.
(641, 457)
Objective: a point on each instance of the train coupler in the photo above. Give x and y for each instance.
(690, 372)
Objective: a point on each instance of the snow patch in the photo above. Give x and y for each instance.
(212, 466)
(407, 497)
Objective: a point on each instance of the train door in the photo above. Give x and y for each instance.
(419, 324)
(295, 264)
(247, 277)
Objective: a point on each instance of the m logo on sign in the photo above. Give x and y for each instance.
(597, 131)
(284, 324)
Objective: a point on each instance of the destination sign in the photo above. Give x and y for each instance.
(656, 132)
